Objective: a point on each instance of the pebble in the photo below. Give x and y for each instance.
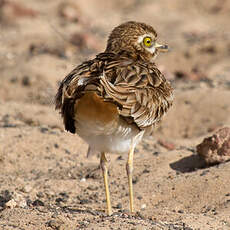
(27, 188)
(55, 224)
(118, 206)
(69, 11)
(17, 201)
(83, 180)
(11, 204)
(143, 206)
(26, 81)
(22, 203)
(215, 149)
(38, 203)
(44, 129)
(180, 211)
(166, 144)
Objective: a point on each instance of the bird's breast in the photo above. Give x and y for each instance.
(99, 123)
(93, 109)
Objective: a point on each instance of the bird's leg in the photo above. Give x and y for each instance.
(129, 170)
(129, 167)
(104, 168)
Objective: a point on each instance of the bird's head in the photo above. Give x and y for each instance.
(137, 39)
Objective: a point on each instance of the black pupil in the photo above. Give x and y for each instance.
(148, 41)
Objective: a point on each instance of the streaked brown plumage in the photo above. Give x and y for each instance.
(118, 97)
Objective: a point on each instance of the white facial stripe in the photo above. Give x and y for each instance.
(152, 49)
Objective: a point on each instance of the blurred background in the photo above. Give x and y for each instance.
(42, 41)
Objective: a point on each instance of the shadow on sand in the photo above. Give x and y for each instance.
(188, 164)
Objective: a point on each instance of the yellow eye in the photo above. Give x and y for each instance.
(147, 41)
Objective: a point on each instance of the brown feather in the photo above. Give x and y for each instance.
(121, 76)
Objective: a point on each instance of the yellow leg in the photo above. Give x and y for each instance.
(104, 168)
(129, 169)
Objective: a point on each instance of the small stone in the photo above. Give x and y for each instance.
(38, 203)
(118, 206)
(83, 180)
(216, 148)
(92, 188)
(156, 153)
(29, 202)
(204, 173)
(135, 179)
(120, 158)
(55, 224)
(143, 206)
(69, 11)
(27, 189)
(140, 215)
(20, 200)
(166, 144)
(180, 75)
(85, 201)
(26, 81)
(44, 129)
(67, 151)
(11, 204)
(40, 194)
(22, 203)
(64, 194)
(5, 196)
(146, 171)
(13, 79)
(180, 211)
(59, 199)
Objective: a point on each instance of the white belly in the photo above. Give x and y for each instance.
(115, 140)
(99, 124)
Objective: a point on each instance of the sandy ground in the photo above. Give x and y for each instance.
(46, 181)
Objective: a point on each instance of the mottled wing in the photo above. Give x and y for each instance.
(73, 87)
(142, 92)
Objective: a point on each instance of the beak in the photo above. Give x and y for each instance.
(161, 48)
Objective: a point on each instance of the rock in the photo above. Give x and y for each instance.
(83, 180)
(166, 144)
(118, 206)
(38, 202)
(143, 206)
(11, 11)
(5, 196)
(17, 200)
(79, 40)
(216, 148)
(55, 224)
(26, 81)
(27, 189)
(69, 11)
(20, 200)
(11, 204)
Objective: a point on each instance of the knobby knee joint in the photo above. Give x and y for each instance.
(103, 162)
(129, 168)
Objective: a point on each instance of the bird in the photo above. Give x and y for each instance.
(117, 98)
